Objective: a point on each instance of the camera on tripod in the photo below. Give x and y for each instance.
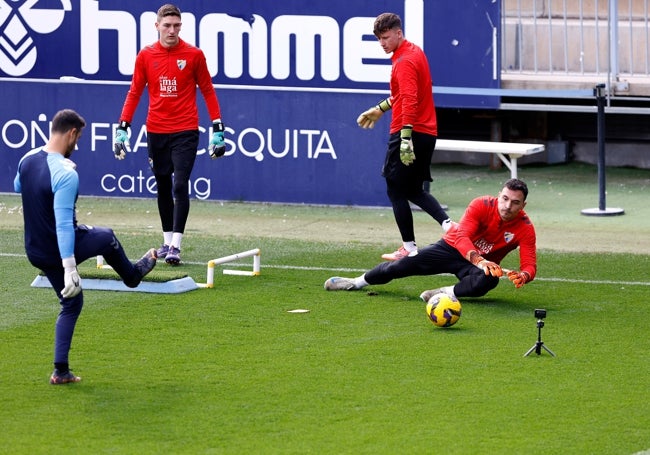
(540, 314)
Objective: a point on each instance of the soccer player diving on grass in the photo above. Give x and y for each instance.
(54, 242)
(471, 250)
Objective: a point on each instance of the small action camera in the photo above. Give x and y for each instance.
(540, 314)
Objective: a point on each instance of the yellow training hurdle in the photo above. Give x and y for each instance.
(255, 253)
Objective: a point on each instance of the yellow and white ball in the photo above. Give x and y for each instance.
(443, 310)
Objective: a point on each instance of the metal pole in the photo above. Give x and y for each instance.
(613, 40)
(602, 210)
(600, 98)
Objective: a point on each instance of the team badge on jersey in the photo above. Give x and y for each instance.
(181, 64)
(508, 236)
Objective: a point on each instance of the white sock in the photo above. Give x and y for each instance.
(410, 246)
(177, 237)
(167, 237)
(449, 290)
(360, 282)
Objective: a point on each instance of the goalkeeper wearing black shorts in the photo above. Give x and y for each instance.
(471, 250)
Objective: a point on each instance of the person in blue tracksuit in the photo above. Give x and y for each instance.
(54, 242)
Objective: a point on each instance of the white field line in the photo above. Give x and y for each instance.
(350, 270)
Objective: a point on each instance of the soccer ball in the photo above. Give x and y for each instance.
(443, 310)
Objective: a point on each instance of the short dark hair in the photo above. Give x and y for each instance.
(168, 10)
(517, 185)
(65, 120)
(385, 22)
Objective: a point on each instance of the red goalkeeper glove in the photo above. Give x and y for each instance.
(518, 278)
(489, 267)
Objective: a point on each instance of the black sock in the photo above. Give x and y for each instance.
(62, 368)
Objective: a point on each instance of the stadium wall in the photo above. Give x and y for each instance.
(291, 78)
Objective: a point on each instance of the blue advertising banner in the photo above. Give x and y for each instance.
(291, 78)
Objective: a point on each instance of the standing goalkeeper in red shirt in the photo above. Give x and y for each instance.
(413, 132)
(171, 69)
(471, 250)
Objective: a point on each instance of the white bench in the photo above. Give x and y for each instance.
(508, 152)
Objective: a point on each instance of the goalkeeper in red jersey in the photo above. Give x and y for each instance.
(171, 69)
(413, 132)
(471, 250)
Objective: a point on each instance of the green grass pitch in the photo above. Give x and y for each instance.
(229, 370)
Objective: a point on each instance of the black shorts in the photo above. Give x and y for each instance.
(173, 153)
(417, 172)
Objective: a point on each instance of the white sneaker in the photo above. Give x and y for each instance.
(337, 283)
(399, 254)
(426, 295)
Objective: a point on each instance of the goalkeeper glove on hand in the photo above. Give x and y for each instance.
(368, 118)
(406, 154)
(489, 267)
(71, 279)
(518, 278)
(121, 143)
(217, 143)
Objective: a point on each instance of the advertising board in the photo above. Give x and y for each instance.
(291, 78)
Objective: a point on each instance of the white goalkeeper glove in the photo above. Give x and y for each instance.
(71, 279)
(368, 118)
(121, 142)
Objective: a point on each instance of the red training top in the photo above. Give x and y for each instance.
(411, 91)
(482, 229)
(172, 75)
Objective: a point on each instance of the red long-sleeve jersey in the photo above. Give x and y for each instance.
(482, 229)
(411, 91)
(172, 75)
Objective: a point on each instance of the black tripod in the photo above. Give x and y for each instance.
(537, 347)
